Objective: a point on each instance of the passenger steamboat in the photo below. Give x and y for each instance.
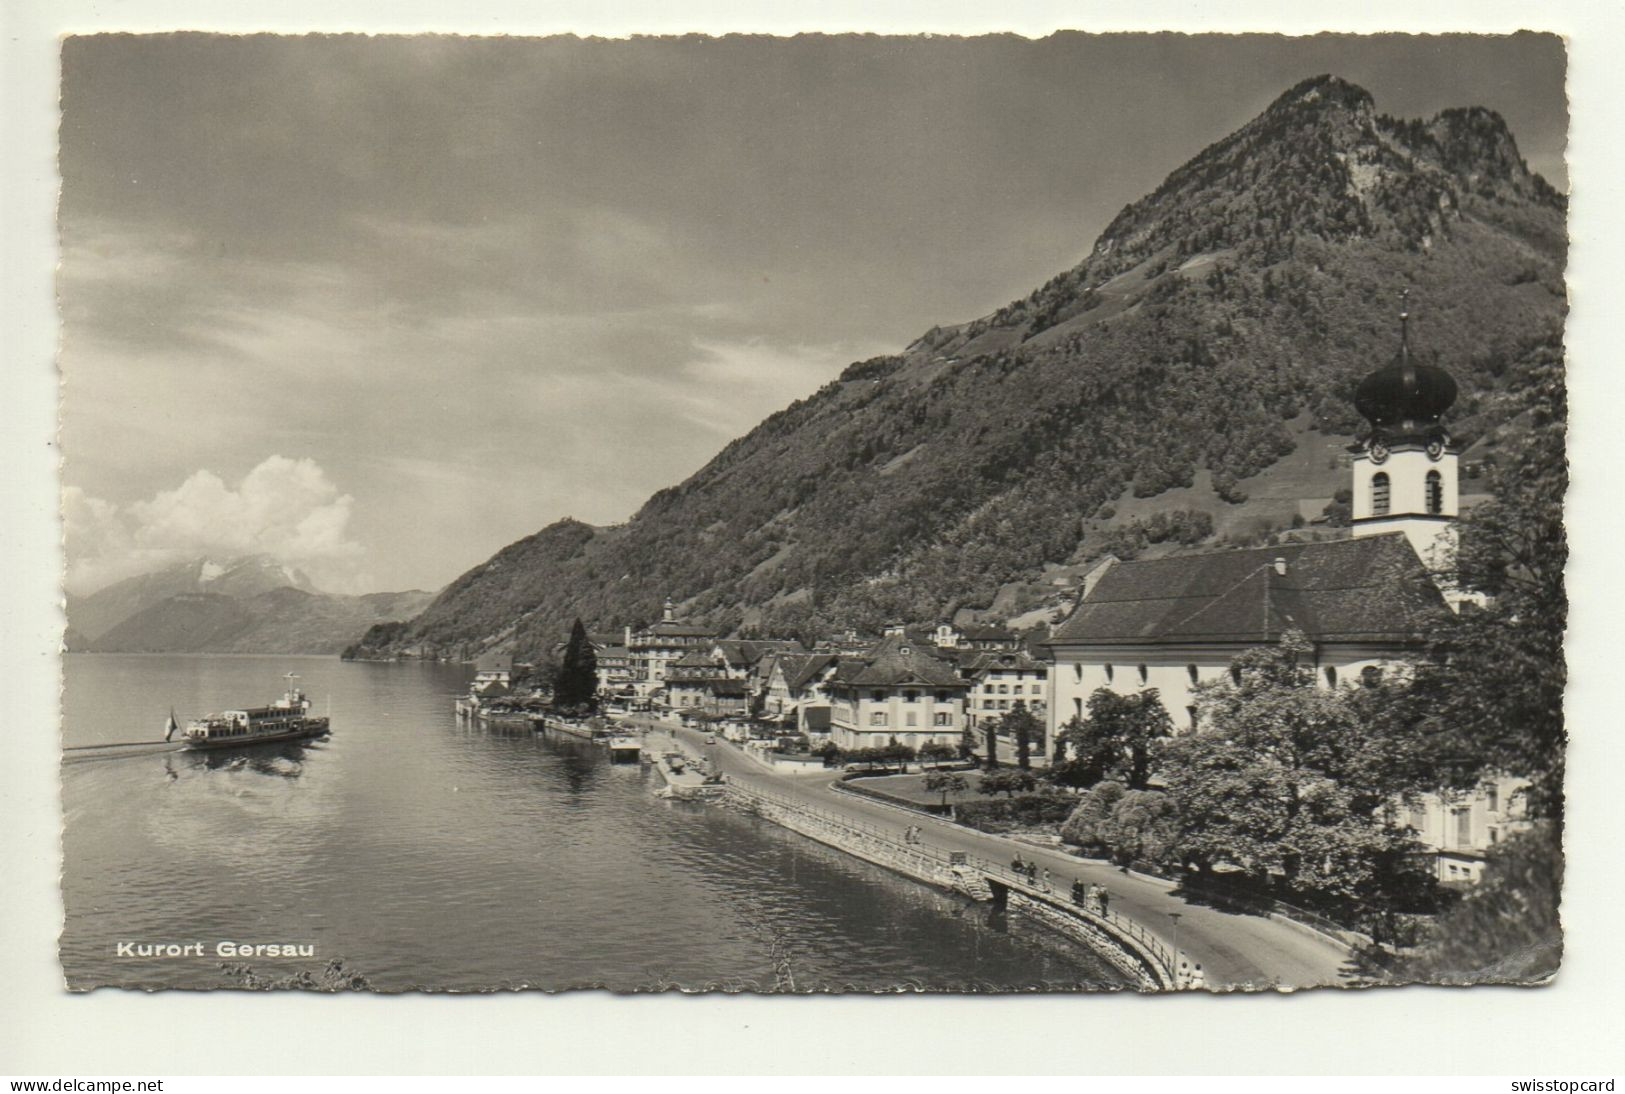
(287, 719)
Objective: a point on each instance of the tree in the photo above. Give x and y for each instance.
(1082, 828)
(1295, 784)
(1117, 736)
(1142, 826)
(1490, 693)
(937, 752)
(991, 735)
(577, 683)
(1024, 728)
(945, 783)
(1506, 927)
(1008, 783)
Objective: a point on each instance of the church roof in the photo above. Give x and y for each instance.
(888, 664)
(1370, 589)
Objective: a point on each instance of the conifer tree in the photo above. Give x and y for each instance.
(577, 684)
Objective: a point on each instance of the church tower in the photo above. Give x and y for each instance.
(1405, 474)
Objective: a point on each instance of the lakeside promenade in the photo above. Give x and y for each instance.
(1235, 950)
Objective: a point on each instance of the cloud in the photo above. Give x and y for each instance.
(288, 509)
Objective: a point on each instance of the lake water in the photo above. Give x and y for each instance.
(428, 854)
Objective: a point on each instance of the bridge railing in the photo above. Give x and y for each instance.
(1160, 951)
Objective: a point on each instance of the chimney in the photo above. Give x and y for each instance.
(1280, 567)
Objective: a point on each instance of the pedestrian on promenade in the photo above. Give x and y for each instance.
(1017, 866)
(1046, 879)
(1104, 898)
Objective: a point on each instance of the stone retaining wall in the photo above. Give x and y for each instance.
(936, 868)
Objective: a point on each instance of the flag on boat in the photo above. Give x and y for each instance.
(170, 727)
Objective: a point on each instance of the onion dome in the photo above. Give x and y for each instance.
(1406, 396)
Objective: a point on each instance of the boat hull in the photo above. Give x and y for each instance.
(314, 727)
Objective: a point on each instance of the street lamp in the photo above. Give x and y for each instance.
(1177, 977)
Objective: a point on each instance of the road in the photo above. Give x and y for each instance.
(1235, 950)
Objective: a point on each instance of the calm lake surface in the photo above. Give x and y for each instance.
(430, 855)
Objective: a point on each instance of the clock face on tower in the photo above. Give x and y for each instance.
(1435, 449)
(1379, 452)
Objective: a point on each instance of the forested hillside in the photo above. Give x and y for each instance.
(1148, 396)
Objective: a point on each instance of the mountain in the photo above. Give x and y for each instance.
(246, 605)
(1187, 383)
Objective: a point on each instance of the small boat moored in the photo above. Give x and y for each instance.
(287, 719)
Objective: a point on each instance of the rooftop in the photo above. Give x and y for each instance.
(1370, 589)
(897, 660)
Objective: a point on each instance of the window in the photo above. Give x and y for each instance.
(1435, 492)
(911, 718)
(877, 718)
(1190, 712)
(1004, 689)
(1464, 827)
(1108, 674)
(1145, 674)
(1004, 704)
(1077, 707)
(878, 696)
(942, 697)
(1494, 835)
(911, 697)
(1235, 675)
(1379, 494)
(1492, 798)
(1043, 674)
(1077, 671)
(944, 718)
(1331, 676)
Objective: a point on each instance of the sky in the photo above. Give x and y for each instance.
(381, 306)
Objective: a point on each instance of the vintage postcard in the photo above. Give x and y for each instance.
(833, 513)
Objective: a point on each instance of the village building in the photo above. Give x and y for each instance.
(898, 692)
(688, 680)
(1363, 602)
(653, 648)
(493, 676)
(975, 636)
(797, 691)
(614, 669)
(1000, 680)
(751, 659)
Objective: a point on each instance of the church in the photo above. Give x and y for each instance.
(1363, 602)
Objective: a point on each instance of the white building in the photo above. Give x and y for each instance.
(899, 692)
(1364, 602)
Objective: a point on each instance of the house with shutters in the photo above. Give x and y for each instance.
(1000, 680)
(898, 692)
(797, 690)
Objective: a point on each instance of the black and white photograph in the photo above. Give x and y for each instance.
(821, 513)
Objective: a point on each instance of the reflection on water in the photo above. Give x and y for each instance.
(432, 854)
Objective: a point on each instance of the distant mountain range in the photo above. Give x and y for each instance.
(240, 605)
(1188, 383)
